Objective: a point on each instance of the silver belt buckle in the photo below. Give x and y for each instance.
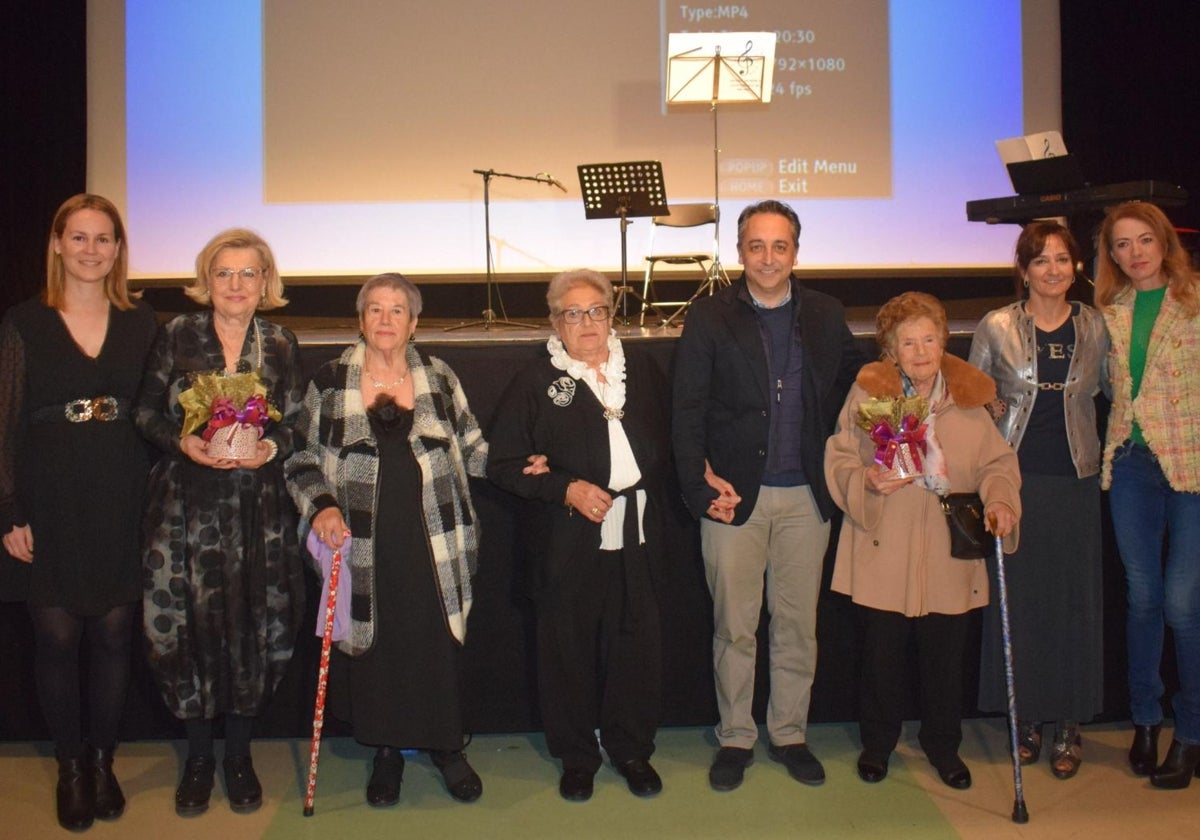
(98, 408)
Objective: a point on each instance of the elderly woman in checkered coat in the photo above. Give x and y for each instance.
(384, 446)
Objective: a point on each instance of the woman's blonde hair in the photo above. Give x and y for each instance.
(1112, 282)
(198, 289)
(116, 282)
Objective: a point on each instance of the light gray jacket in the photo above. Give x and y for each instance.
(1004, 347)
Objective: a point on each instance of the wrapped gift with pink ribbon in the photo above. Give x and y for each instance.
(896, 426)
(233, 410)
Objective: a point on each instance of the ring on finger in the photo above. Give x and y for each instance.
(595, 511)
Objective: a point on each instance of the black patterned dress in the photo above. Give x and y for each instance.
(224, 588)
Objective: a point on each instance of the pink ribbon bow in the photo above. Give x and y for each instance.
(888, 442)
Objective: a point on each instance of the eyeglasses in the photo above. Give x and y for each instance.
(574, 316)
(248, 275)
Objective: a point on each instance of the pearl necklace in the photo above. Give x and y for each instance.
(381, 386)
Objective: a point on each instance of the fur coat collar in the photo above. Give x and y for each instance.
(969, 387)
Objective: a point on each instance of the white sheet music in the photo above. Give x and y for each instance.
(721, 66)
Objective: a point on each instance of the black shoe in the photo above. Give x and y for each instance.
(463, 782)
(872, 769)
(729, 767)
(1183, 762)
(953, 772)
(575, 784)
(110, 801)
(801, 764)
(74, 796)
(642, 779)
(383, 789)
(195, 788)
(1143, 755)
(241, 784)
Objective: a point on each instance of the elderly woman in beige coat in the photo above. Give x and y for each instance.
(893, 556)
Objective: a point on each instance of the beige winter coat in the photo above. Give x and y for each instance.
(894, 551)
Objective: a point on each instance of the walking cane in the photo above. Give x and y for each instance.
(314, 752)
(1020, 813)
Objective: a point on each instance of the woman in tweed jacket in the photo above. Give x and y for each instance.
(1150, 298)
(384, 446)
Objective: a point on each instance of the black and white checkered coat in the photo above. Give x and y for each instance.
(336, 462)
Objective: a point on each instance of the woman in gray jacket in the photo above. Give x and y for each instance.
(1047, 355)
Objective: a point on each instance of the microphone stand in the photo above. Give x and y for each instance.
(489, 315)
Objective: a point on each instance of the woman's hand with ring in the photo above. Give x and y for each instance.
(330, 527)
(588, 499)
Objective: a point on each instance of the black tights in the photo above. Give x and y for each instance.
(58, 634)
(237, 736)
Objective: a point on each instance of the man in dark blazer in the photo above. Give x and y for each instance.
(761, 372)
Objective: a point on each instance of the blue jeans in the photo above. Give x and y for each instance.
(1145, 510)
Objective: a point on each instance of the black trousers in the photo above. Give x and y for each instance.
(939, 641)
(600, 661)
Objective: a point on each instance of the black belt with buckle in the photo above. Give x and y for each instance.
(104, 409)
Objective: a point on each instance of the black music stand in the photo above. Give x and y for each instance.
(618, 191)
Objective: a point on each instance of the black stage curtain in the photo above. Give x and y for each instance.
(499, 655)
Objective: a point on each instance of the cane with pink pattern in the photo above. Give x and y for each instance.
(314, 752)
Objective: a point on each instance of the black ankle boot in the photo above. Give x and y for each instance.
(110, 801)
(1143, 755)
(74, 795)
(1183, 761)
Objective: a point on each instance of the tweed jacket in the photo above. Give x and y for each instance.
(893, 553)
(1167, 407)
(1004, 347)
(337, 463)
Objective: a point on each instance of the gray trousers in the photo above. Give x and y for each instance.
(784, 540)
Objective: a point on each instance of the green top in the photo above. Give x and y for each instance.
(1146, 306)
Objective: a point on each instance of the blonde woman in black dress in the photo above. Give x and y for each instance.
(72, 471)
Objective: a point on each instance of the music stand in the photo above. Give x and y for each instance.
(618, 191)
(719, 67)
(489, 318)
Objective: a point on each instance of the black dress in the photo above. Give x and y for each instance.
(224, 587)
(78, 486)
(404, 691)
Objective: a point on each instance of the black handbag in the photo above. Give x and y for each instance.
(969, 539)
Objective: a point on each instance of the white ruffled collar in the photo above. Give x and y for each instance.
(611, 392)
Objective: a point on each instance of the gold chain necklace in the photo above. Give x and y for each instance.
(609, 412)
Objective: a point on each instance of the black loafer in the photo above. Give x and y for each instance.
(1143, 754)
(729, 768)
(575, 784)
(195, 788)
(383, 789)
(801, 764)
(241, 784)
(954, 773)
(872, 769)
(462, 781)
(642, 779)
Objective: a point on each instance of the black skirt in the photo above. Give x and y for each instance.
(404, 691)
(1055, 594)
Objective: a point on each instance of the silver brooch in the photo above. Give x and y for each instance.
(561, 391)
